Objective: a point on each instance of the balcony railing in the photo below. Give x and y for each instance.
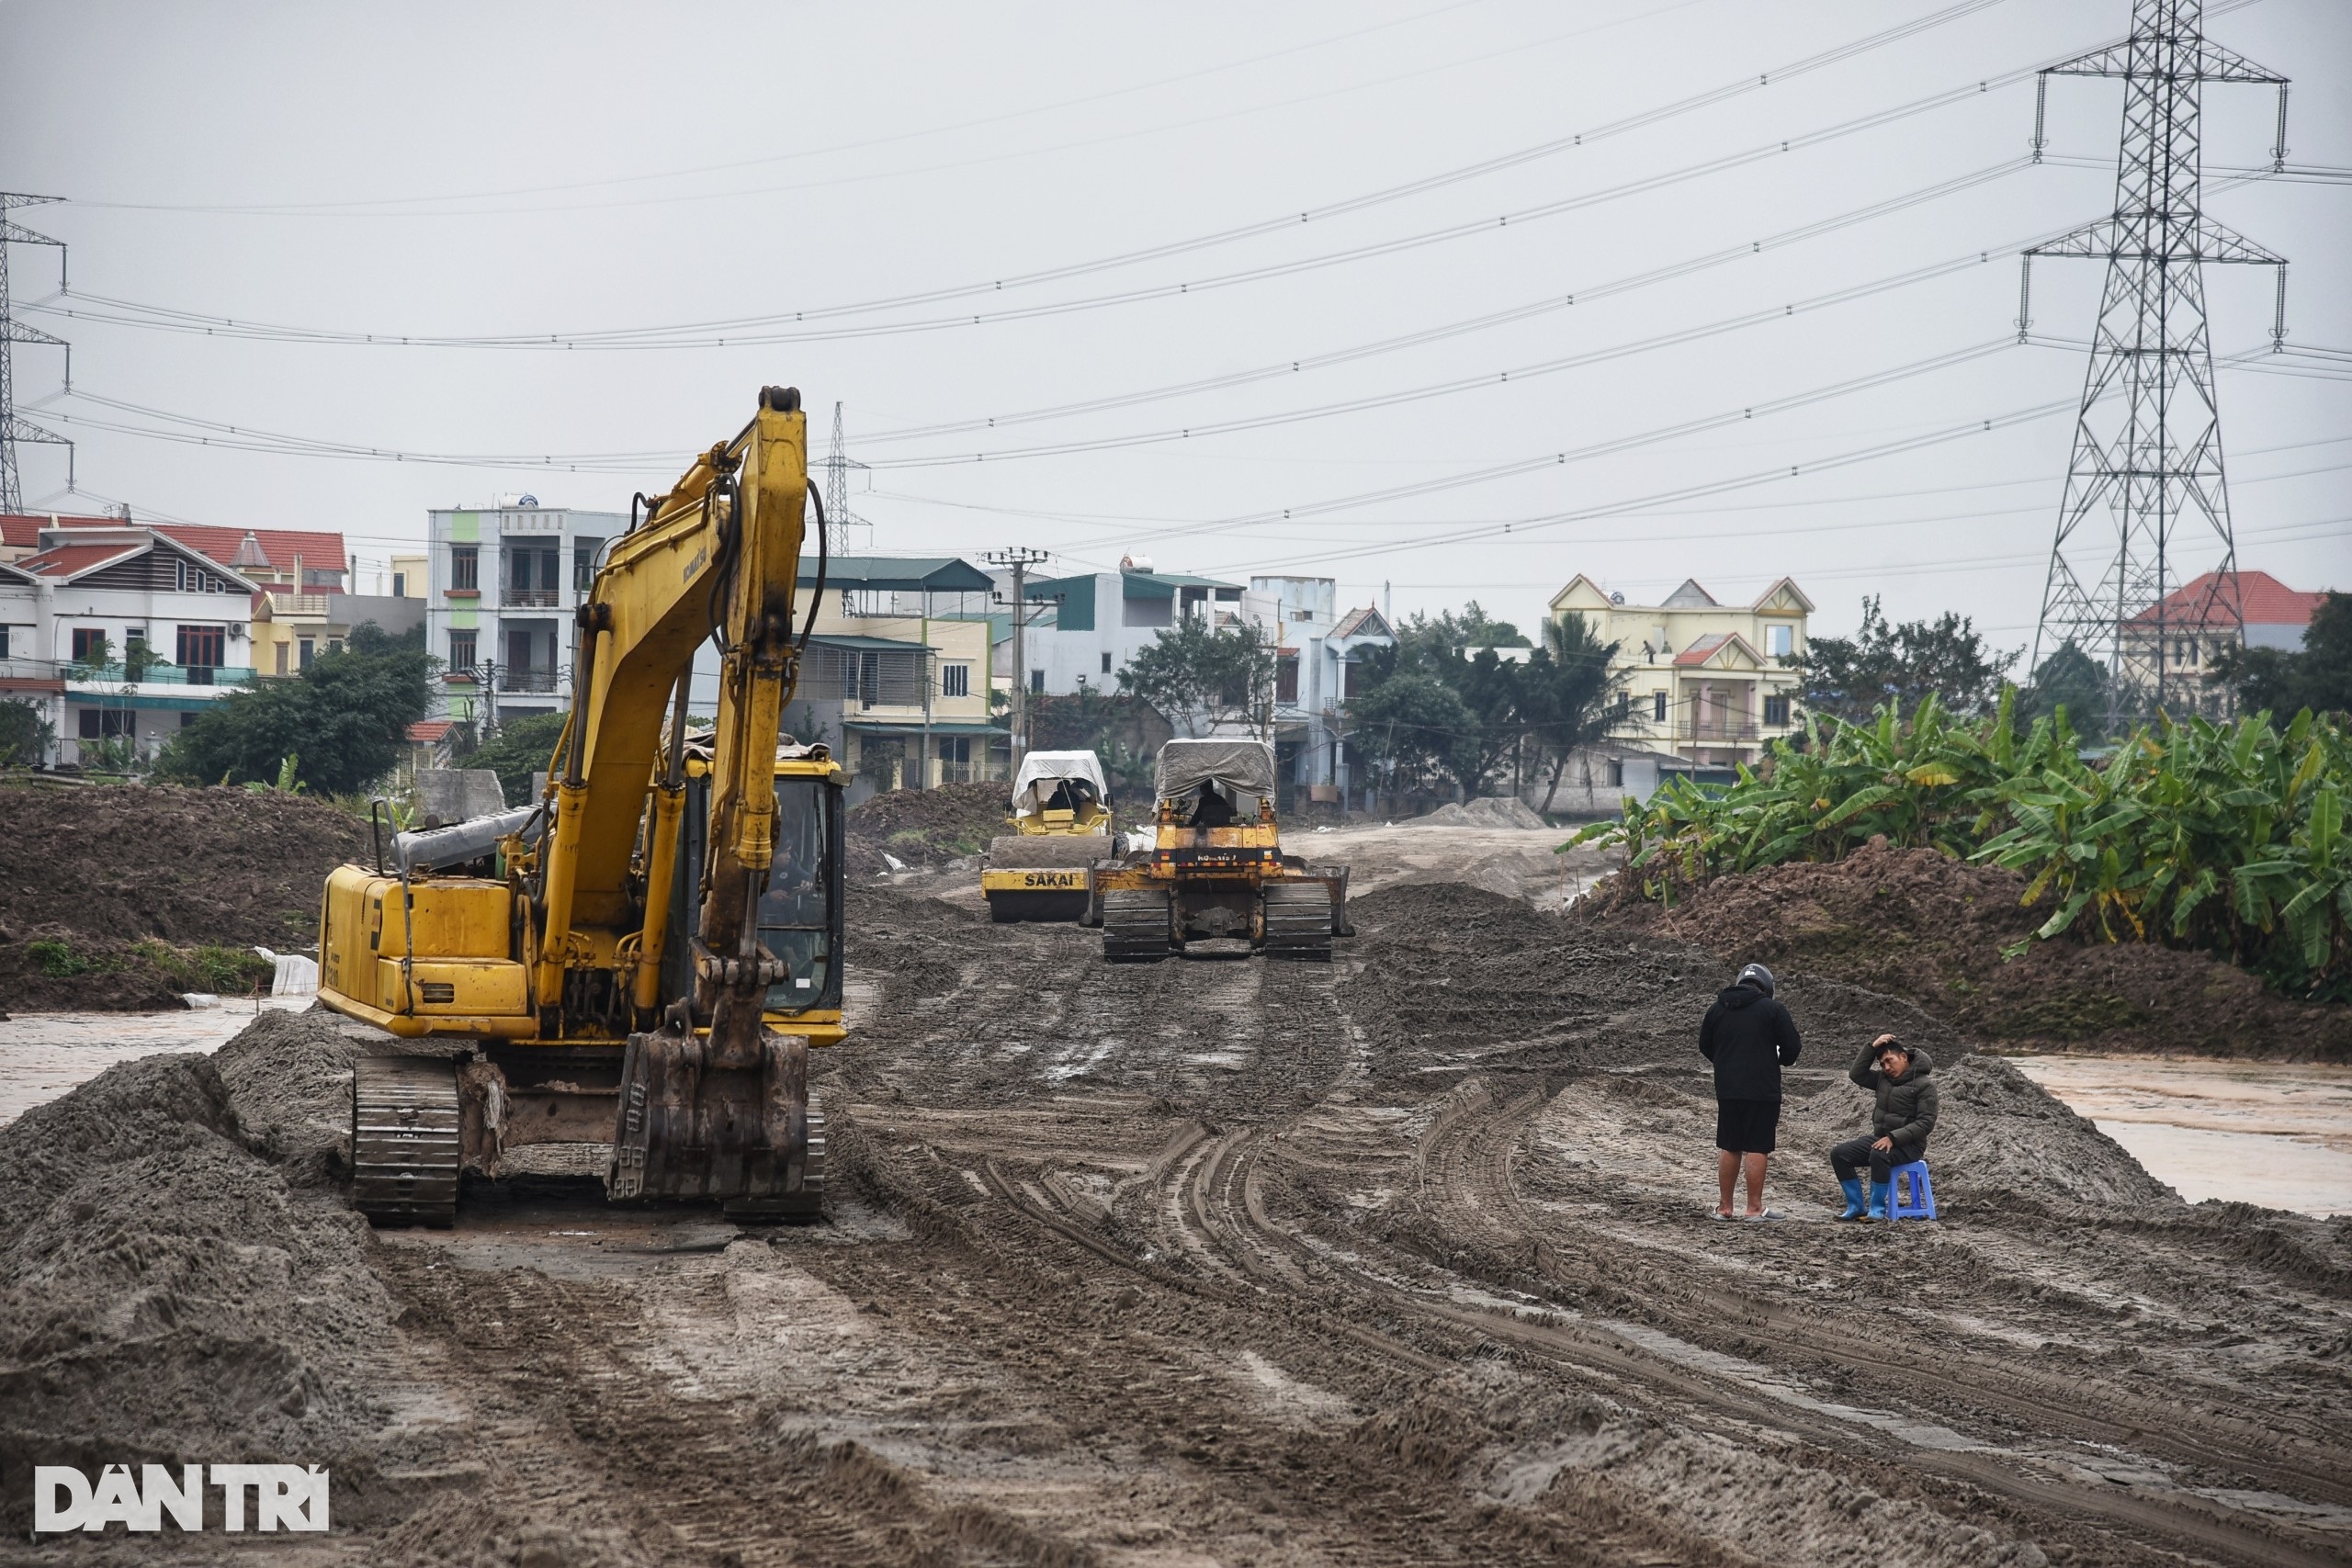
(528, 599)
(297, 604)
(1719, 729)
(118, 674)
(527, 680)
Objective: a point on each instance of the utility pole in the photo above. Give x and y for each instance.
(838, 516)
(1018, 560)
(2148, 438)
(13, 429)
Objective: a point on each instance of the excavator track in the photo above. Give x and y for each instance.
(404, 1140)
(1135, 925)
(1298, 921)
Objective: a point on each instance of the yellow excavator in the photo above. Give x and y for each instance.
(643, 958)
(1043, 870)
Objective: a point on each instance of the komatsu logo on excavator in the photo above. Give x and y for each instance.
(285, 1497)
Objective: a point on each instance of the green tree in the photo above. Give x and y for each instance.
(1569, 697)
(1200, 676)
(1414, 725)
(1848, 679)
(2317, 676)
(346, 719)
(520, 747)
(25, 735)
(2071, 681)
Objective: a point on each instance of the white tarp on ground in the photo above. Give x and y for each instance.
(1243, 767)
(1050, 768)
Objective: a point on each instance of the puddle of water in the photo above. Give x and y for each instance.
(2277, 1134)
(43, 1055)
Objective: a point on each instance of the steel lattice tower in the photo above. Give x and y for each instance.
(13, 429)
(2147, 450)
(838, 516)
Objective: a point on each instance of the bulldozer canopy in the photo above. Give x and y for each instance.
(1041, 771)
(1242, 767)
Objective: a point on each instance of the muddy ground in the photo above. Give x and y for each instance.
(121, 896)
(1402, 1260)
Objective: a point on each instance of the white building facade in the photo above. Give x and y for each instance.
(1318, 649)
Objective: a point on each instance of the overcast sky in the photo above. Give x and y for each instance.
(505, 171)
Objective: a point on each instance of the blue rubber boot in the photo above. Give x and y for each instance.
(1853, 1188)
(1879, 1192)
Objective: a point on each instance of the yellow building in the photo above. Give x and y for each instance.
(1710, 682)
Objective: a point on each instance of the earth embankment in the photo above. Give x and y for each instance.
(122, 896)
(1918, 924)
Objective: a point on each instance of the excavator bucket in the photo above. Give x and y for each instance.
(746, 1137)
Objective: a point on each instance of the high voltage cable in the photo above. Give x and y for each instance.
(734, 330)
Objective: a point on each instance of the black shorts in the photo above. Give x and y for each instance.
(1748, 1126)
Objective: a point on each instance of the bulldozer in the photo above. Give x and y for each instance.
(642, 959)
(1215, 869)
(1061, 824)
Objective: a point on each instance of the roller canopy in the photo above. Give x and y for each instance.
(1244, 767)
(1052, 767)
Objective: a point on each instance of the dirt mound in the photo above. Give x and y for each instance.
(1487, 811)
(924, 827)
(1919, 924)
(175, 1278)
(124, 896)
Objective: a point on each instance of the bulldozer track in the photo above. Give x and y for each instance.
(1135, 925)
(1298, 921)
(404, 1139)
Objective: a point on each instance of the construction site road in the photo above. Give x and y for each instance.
(1404, 1258)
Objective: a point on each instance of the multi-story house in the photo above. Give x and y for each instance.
(2180, 638)
(121, 634)
(1317, 651)
(1097, 622)
(502, 581)
(1712, 684)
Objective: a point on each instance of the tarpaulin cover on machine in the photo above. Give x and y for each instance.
(1049, 768)
(1244, 767)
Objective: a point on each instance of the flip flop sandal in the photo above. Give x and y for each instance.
(1767, 1215)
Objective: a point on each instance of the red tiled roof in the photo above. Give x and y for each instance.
(2263, 599)
(21, 530)
(426, 731)
(1706, 648)
(320, 552)
(68, 561)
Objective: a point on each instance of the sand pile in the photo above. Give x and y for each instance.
(123, 896)
(179, 1278)
(1918, 923)
(1487, 811)
(925, 827)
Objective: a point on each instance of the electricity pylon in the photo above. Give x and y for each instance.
(2148, 439)
(13, 429)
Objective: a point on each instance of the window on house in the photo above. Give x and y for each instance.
(954, 680)
(1779, 641)
(334, 644)
(1037, 683)
(306, 648)
(1657, 707)
(1106, 661)
(1616, 773)
(400, 585)
(583, 564)
(1776, 710)
(1287, 680)
(4, 642)
(202, 649)
(465, 566)
(107, 723)
(955, 759)
(90, 644)
(461, 651)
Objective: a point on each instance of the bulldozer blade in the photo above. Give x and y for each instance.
(742, 1136)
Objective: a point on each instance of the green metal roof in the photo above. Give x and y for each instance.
(866, 644)
(910, 574)
(916, 727)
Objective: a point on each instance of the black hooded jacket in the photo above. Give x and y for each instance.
(1749, 1037)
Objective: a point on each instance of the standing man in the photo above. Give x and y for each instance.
(1901, 1119)
(1749, 1037)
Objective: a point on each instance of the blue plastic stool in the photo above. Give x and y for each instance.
(1921, 1203)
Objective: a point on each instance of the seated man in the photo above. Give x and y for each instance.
(1213, 810)
(1900, 1122)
